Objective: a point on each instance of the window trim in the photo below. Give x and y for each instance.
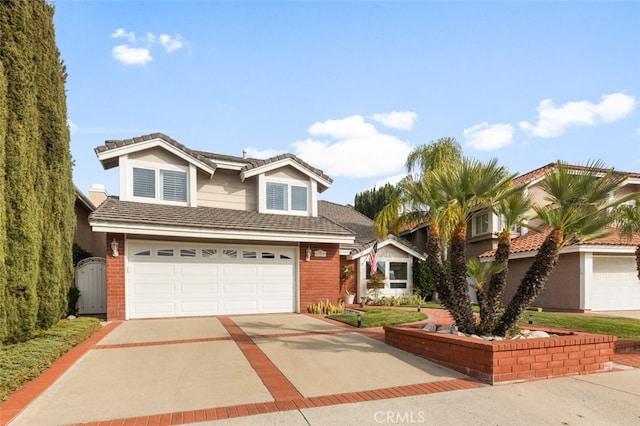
(474, 228)
(387, 261)
(290, 183)
(158, 168)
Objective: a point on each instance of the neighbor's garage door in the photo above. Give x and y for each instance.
(170, 279)
(615, 284)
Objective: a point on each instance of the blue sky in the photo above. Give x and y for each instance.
(352, 87)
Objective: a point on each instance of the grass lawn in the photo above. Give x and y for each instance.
(626, 328)
(24, 361)
(373, 317)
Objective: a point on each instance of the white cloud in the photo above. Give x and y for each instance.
(553, 121)
(121, 33)
(354, 148)
(394, 179)
(486, 137)
(262, 154)
(396, 120)
(73, 128)
(131, 55)
(137, 50)
(171, 43)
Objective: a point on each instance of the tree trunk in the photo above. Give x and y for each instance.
(638, 260)
(533, 281)
(492, 297)
(461, 302)
(436, 268)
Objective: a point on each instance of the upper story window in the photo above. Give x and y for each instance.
(160, 184)
(286, 197)
(481, 224)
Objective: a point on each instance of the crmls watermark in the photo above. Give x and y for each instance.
(399, 417)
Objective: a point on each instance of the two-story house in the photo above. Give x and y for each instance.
(196, 233)
(598, 275)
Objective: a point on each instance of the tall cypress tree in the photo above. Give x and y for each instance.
(3, 228)
(55, 184)
(22, 203)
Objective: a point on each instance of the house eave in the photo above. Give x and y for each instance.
(108, 158)
(385, 243)
(228, 234)
(323, 183)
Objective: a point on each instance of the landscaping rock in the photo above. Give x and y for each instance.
(535, 334)
(430, 327)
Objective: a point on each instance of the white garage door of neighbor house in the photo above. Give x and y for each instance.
(179, 279)
(615, 284)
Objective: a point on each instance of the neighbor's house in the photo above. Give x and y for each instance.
(195, 233)
(595, 275)
(93, 242)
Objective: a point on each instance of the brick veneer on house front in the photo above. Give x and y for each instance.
(509, 360)
(320, 277)
(115, 280)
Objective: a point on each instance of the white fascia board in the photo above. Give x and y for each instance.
(120, 228)
(283, 163)
(141, 146)
(229, 165)
(632, 181)
(345, 252)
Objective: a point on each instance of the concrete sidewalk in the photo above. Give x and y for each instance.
(599, 399)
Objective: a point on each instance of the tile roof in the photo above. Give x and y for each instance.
(532, 240)
(210, 158)
(350, 218)
(113, 144)
(541, 171)
(359, 224)
(135, 213)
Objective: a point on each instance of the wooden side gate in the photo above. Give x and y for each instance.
(91, 280)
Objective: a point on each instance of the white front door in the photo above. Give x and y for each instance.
(615, 284)
(169, 279)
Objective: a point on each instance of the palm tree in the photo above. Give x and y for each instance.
(578, 209)
(512, 207)
(463, 189)
(627, 218)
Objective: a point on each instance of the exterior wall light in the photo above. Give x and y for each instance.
(114, 248)
(308, 253)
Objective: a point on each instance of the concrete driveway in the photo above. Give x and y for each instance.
(196, 369)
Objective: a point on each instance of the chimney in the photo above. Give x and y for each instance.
(97, 194)
(244, 153)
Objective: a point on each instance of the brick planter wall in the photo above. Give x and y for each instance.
(509, 361)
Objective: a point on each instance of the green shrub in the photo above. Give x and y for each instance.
(21, 362)
(413, 300)
(72, 298)
(422, 279)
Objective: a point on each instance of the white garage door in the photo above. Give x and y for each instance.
(177, 279)
(615, 284)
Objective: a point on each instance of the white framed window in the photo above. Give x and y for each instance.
(396, 272)
(481, 224)
(286, 197)
(162, 183)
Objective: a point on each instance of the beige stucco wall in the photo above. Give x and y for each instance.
(157, 155)
(226, 190)
(562, 290)
(287, 173)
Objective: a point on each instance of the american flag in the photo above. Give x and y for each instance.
(373, 258)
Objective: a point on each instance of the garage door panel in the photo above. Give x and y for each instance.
(239, 289)
(240, 306)
(216, 281)
(200, 307)
(207, 289)
(615, 283)
(154, 288)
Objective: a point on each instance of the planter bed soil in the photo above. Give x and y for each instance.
(508, 361)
